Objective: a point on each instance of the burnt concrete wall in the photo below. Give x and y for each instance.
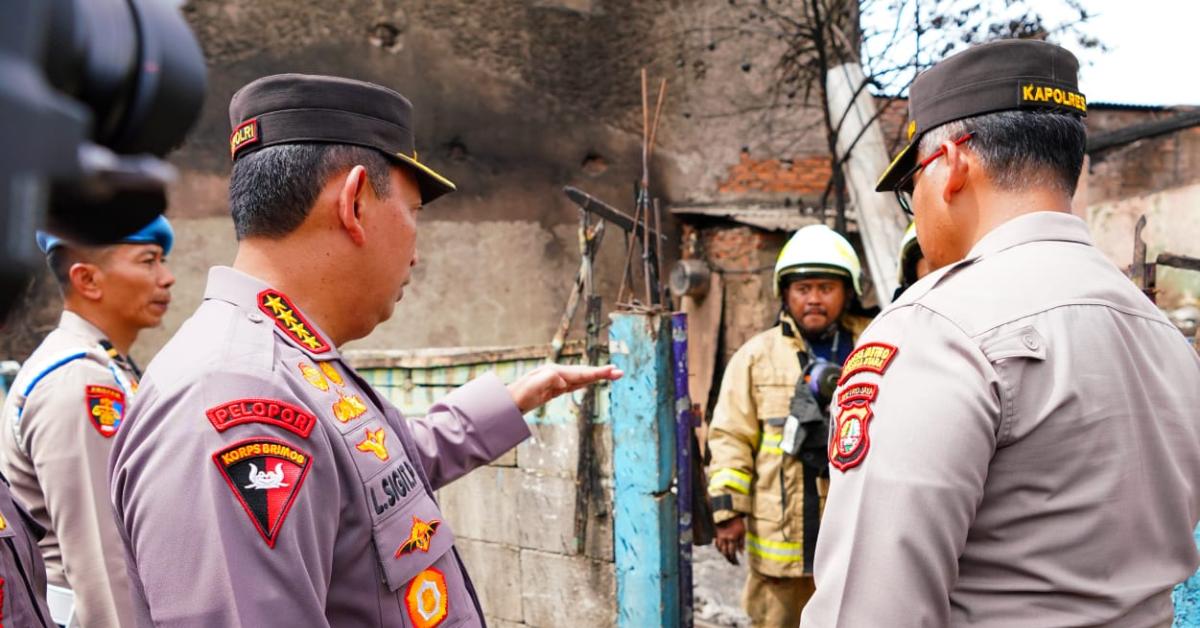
(514, 99)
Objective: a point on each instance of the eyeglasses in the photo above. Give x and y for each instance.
(904, 187)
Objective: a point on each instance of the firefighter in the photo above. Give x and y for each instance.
(764, 500)
(911, 263)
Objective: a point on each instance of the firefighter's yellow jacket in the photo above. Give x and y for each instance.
(747, 464)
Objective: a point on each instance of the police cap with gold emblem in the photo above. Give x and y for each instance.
(295, 108)
(998, 76)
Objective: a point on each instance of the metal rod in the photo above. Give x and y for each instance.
(593, 205)
(683, 463)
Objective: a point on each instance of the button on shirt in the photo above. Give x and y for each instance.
(259, 481)
(1015, 444)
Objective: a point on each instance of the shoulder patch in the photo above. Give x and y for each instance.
(290, 417)
(265, 476)
(289, 320)
(426, 599)
(860, 392)
(105, 408)
(850, 440)
(873, 357)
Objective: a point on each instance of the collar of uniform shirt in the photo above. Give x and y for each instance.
(77, 324)
(1033, 227)
(237, 288)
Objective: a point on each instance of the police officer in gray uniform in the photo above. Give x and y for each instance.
(1015, 439)
(259, 480)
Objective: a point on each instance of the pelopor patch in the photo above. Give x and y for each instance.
(274, 412)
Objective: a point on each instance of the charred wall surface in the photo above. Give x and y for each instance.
(514, 99)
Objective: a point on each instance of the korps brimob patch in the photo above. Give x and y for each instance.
(265, 476)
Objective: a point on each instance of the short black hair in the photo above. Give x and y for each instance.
(272, 189)
(1020, 149)
(61, 258)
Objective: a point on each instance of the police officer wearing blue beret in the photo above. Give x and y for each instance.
(67, 403)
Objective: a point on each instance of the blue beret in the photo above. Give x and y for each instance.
(157, 232)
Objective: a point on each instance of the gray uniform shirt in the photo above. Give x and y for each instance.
(259, 481)
(54, 447)
(1015, 443)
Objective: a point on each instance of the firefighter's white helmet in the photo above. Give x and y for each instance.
(818, 250)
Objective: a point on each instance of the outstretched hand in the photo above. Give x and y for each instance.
(551, 380)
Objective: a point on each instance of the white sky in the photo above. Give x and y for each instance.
(1154, 48)
(1154, 57)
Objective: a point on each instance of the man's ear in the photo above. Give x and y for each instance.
(958, 167)
(350, 198)
(85, 280)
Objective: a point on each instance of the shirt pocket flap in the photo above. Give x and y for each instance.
(1023, 342)
(411, 540)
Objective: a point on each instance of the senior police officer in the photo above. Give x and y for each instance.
(259, 480)
(765, 499)
(67, 403)
(1016, 437)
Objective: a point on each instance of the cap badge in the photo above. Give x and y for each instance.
(912, 129)
(244, 135)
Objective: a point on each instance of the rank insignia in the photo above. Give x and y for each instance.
(419, 537)
(348, 408)
(313, 376)
(426, 599)
(265, 476)
(373, 443)
(289, 320)
(331, 373)
(849, 442)
(106, 408)
(873, 357)
(292, 418)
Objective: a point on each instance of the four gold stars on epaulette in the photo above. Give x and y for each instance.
(290, 320)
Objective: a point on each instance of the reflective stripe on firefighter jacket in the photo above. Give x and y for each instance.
(749, 473)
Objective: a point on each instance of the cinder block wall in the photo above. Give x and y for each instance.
(515, 518)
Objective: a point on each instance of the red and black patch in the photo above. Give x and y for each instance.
(270, 411)
(265, 475)
(105, 408)
(850, 438)
(863, 392)
(873, 357)
(244, 135)
(289, 319)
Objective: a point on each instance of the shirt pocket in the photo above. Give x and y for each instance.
(773, 401)
(415, 548)
(1015, 355)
